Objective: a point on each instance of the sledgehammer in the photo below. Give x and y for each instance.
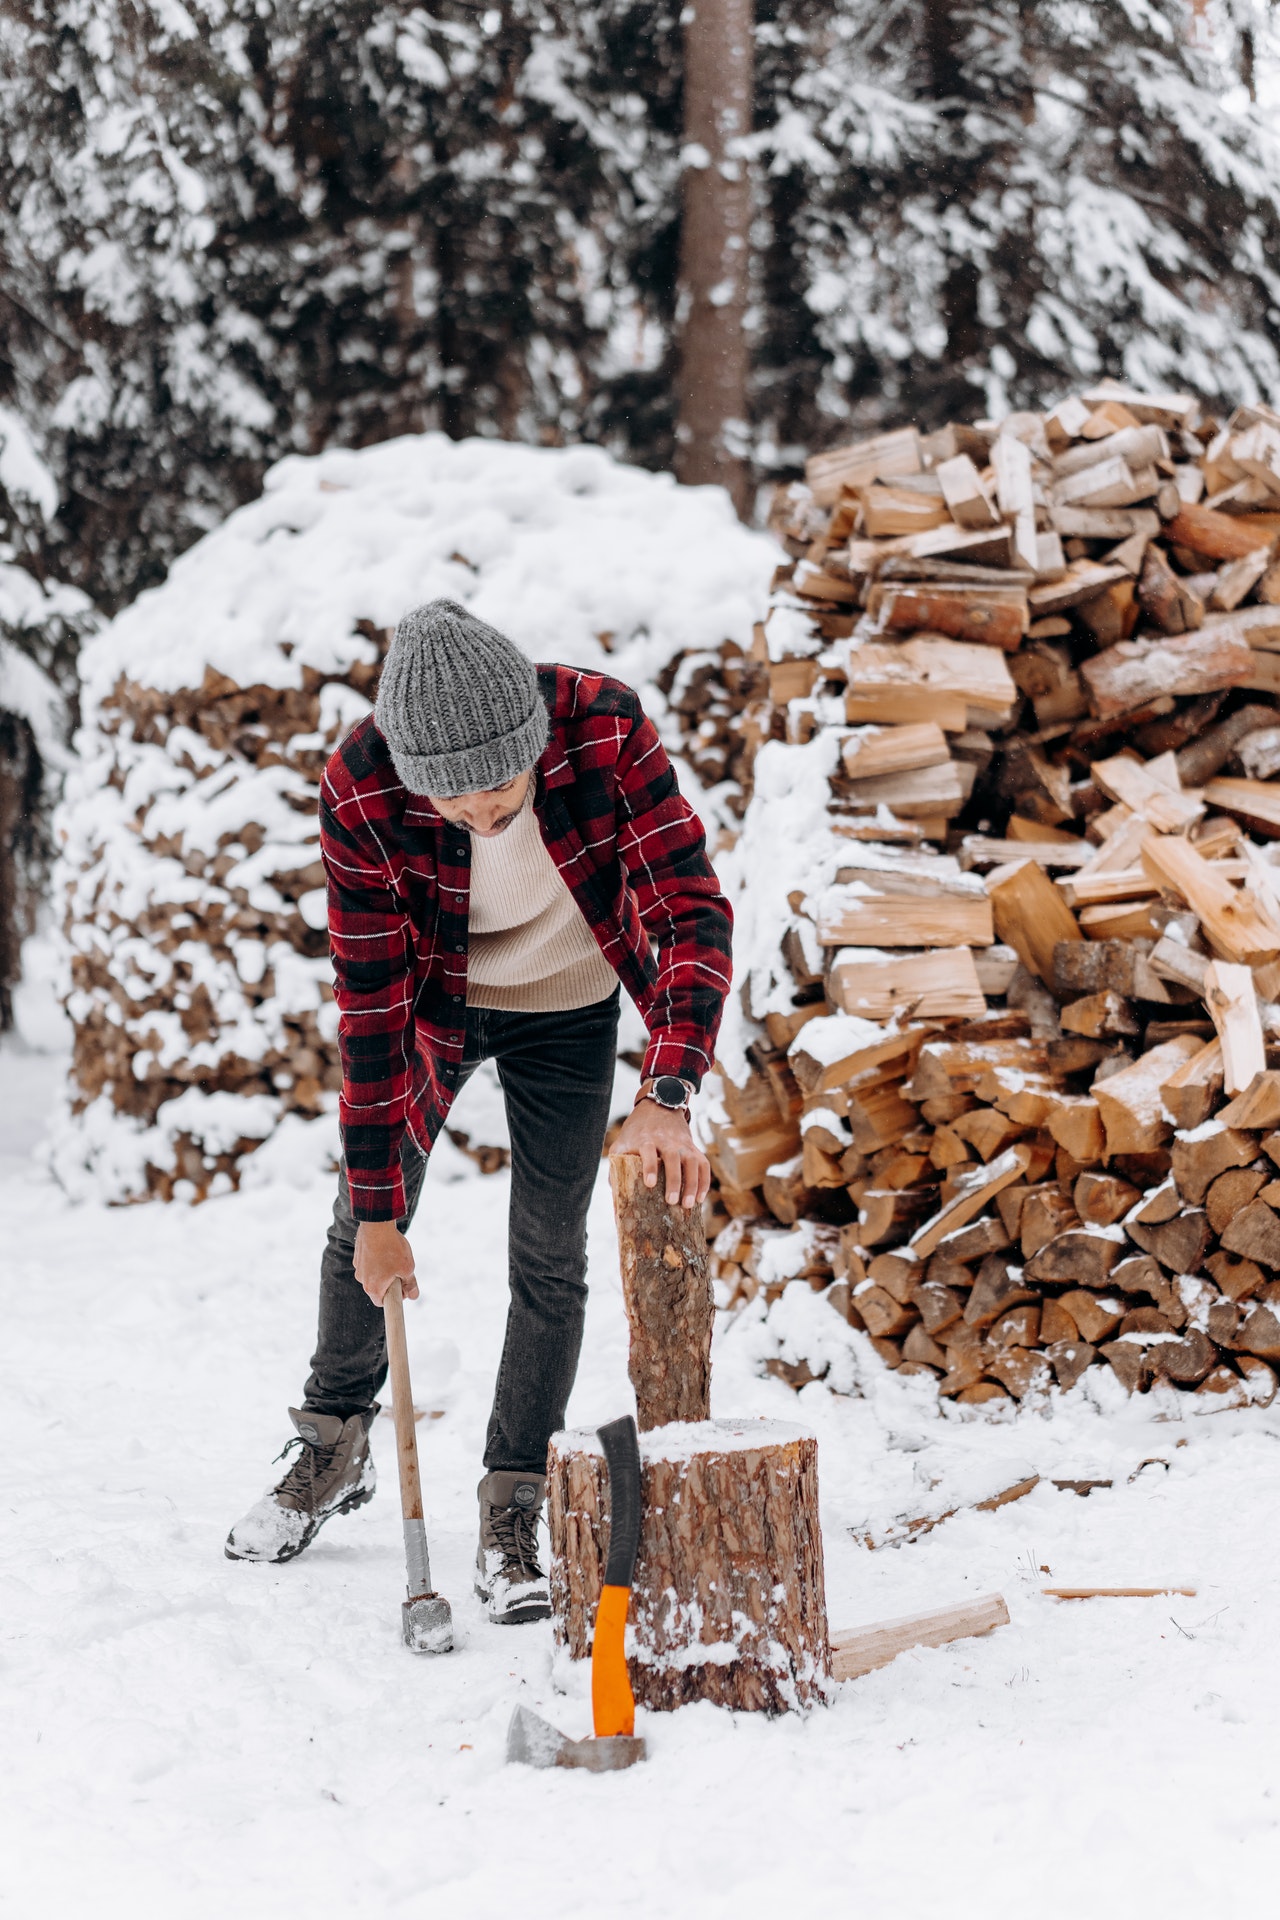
(426, 1621)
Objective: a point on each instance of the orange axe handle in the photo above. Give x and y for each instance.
(613, 1707)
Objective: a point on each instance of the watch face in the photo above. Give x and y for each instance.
(670, 1092)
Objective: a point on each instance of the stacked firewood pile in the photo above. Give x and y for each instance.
(198, 953)
(1005, 1076)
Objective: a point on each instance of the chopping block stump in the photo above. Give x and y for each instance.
(728, 1601)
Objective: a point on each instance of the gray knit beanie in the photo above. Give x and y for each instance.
(458, 704)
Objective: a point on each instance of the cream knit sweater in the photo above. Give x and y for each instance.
(530, 950)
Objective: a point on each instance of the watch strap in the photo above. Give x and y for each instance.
(647, 1093)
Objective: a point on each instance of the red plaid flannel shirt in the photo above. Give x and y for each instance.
(632, 853)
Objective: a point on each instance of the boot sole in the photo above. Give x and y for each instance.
(519, 1615)
(515, 1616)
(349, 1505)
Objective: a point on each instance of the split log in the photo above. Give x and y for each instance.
(1095, 1316)
(1092, 966)
(1200, 759)
(873, 751)
(909, 1526)
(1076, 1124)
(1179, 1244)
(1100, 1016)
(1166, 599)
(1199, 1157)
(1233, 1004)
(862, 919)
(896, 510)
(1254, 801)
(728, 1601)
(1259, 1104)
(1191, 1092)
(994, 1291)
(666, 1285)
(1083, 1255)
(966, 496)
(1218, 536)
(974, 1192)
(1133, 673)
(941, 984)
(997, 616)
(1130, 1101)
(1021, 1372)
(1030, 915)
(1056, 1323)
(744, 1159)
(1255, 1233)
(862, 1649)
(1114, 1593)
(1070, 1359)
(1102, 1198)
(883, 457)
(1235, 926)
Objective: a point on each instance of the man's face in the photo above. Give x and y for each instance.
(487, 813)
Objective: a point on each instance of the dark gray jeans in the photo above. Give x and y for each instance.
(556, 1071)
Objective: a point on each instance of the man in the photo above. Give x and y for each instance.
(503, 843)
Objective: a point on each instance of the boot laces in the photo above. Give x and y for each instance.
(516, 1532)
(310, 1466)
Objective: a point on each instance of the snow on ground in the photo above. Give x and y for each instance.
(191, 1737)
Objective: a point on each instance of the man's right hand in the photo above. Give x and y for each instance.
(383, 1255)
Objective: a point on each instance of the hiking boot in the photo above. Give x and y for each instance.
(508, 1576)
(333, 1473)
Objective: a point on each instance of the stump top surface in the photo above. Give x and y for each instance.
(683, 1439)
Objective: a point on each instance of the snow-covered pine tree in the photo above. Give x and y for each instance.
(972, 202)
(135, 379)
(41, 624)
(229, 232)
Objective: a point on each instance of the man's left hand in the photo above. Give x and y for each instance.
(658, 1134)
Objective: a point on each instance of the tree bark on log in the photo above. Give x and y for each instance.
(666, 1284)
(715, 247)
(728, 1600)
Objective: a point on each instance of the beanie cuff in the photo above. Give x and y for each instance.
(476, 769)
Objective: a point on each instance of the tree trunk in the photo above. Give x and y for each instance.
(728, 1602)
(19, 797)
(666, 1285)
(715, 248)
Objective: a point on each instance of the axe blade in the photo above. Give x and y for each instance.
(534, 1742)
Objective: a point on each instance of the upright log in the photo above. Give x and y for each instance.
(728, 1598)
(666, 1284)
(728, 1602)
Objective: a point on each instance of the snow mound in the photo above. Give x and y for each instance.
(195, 967)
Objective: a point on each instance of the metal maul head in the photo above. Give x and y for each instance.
(534, 1742)
(427, 1624)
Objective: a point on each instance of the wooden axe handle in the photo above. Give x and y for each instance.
(402, 1396)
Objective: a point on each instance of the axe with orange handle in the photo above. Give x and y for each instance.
(613, 1709)
(613, 1706)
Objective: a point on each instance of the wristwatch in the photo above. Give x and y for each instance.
(669, 1093)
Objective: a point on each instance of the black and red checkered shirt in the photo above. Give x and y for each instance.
(632, 853)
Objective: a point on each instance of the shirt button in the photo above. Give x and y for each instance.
(457, 996)
(461, 947)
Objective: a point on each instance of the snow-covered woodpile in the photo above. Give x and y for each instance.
(1003, 1077)
(199, 983)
